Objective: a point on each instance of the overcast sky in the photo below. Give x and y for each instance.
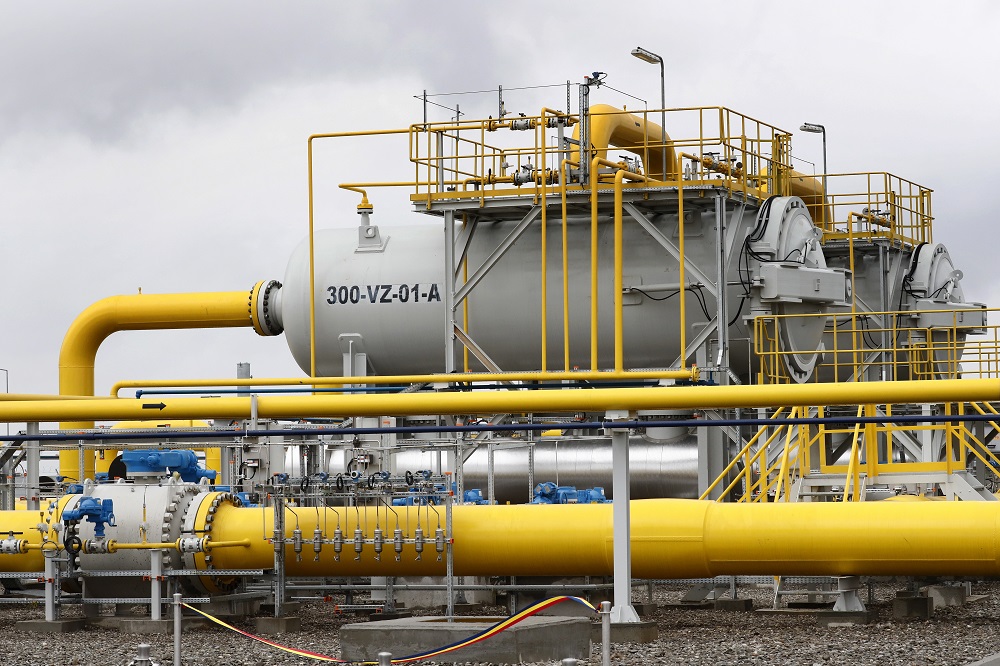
(163, 145)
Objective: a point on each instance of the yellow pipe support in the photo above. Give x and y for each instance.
(670, 539)
(133, 312)
(507, 402)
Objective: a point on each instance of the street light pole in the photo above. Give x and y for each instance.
(652, 58)
(819, 129)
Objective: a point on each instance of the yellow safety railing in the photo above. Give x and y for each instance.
(482, 159)
(949, 343)
(863, 206)
(777, 455)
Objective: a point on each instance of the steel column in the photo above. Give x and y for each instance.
(621, 518)
(33, 456)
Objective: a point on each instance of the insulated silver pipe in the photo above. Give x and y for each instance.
(659, 468)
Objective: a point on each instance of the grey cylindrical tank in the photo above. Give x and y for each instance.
(890, 278)
(389, 302)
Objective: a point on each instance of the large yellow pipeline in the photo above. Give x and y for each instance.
(507, 402)
(613, 127)
(134, 312)
(670, 539)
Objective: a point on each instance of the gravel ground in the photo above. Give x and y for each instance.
(687, 636)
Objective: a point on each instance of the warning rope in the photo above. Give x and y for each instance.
(493, 630)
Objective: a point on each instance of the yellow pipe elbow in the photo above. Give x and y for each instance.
(133, 312)
(614, 127)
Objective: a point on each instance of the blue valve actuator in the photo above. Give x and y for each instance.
(95, 510)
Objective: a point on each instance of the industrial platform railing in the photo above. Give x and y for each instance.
(477, 159)
(806, 441)
(869, 206)
(949, 343)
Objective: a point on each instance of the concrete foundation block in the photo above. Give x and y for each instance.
(390, 615)
(906, 593)
(430, 598)
(644, 609)
(278, 625)
(290, 608)
(53, 627)
(946, 595)
(842, 618)
(992, 660)
(734, 605)
(627, 632)
(533, 639)
(461, 609)
(144, 625)
(906, 607)
(129, 610)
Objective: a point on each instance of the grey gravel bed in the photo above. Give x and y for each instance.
(954, 636)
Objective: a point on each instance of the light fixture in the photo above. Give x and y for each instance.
(653, 59)
(819, 129)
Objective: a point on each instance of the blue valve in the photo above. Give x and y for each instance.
(182, 461)
(95, 510)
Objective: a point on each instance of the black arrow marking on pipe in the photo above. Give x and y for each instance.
(147, 405)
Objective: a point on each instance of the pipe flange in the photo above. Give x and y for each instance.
(264, 308)
(198, 521)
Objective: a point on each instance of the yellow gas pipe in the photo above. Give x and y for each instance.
(134, 312)
(670, 539)
(493, 402)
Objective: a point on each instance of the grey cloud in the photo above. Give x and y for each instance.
(94, 68)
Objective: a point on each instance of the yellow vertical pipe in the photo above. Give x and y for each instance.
(949, 439)
(871, 443)
(594, 165)
(133, 312)
(465, 303)
(619, 264)
(312, 267)
(681, 275)
(564, 184)
(545, 257)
